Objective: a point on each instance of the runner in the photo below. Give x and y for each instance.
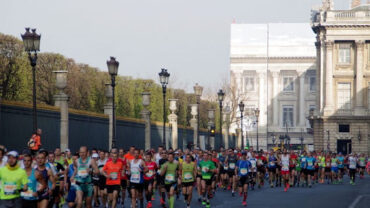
(231, 160)
(285, 158)
(170, 171)
(112, 171)
(352, 165)
(322, 164)
(160, 179)
(223, 170)
(83, 168)
(310, 168)
(137, 169)
(303, 162)
(272, 160)
(292, 168)
(334, 168)
(46, 185)
(261, 168)
(59, 180)
(340, 167)
(149, 178)
(188, 172)
(328, 168)
(199, 158)
(13, 180)
(29, 197)
(95, 181)
(242, 170)
(253, 172)
(208, 168)
(362, 165)
(102, 191)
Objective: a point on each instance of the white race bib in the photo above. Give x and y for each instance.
(10, 188)
(135, 177)
(170, 178)
(232, 165)
(243, 171)
(82, 173)
(113, 175)
(188, 176)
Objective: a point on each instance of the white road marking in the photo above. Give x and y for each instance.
(356, 201)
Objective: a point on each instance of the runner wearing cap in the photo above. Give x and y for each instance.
(13, 180)
(95, 181)
(242, 169)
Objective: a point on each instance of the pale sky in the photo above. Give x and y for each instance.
(191, 38)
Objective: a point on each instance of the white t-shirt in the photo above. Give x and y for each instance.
(352, 162)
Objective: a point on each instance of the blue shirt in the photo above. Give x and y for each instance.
(310, 163)
(243, 167)
(341, 160)
(272, 162)
(303, 161)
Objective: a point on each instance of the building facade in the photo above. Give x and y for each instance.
(273, 68)
(341, 121)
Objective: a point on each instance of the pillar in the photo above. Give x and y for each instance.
(275, 94)
(145, 113)
(359, 105)
(108, 110)
(61, 100)
(173, 122)
(302, 119)
(226, 125)
(194, 123)
(262, 101)
(238, 143)
(328, 109)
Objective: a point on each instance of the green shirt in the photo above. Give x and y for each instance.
(187, 172)
(206, 167)
(170, 175)
(12, 180)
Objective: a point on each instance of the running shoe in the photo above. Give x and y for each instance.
(232, 194)
(149, 205)
(244, 203)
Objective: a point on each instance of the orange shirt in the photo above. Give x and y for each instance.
(114, 171)
(37, 140)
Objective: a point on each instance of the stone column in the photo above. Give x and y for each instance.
(262, 102)
(61, 100)
(302, 119)
(108, 110)
(194, 123)
(359, 107)
(275, 94)
(145, 113)
(173, 122)
(328, 109)
(226, 125)
(238, 143)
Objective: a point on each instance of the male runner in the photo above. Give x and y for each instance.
(170, 172)
(188, 171)
(208, 168)
(242, 169)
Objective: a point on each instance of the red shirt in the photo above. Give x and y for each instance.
(152, 167)
(293, 159)
(113, 170)
(261, 159)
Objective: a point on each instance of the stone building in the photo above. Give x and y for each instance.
(342, 118)
(273, 69)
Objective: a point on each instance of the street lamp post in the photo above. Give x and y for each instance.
(301, 140)
(257, 114)
(31, 42)
(163, 78)
(273, 139)
(221, 96)
(241, 109)
(328, 142)
(113, 71)
(198, 91)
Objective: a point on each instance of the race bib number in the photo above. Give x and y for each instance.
(333, 164)
(285, 167)
(204, 169)
(188, 176)
(83, 173)
(309, 163)
(149, 174)
(27, 194)
(225, 167)
(272, 163)
(10, 188)
(244, 171)
(303, 159)
(135, 177)
(113, 175)
(170, 178)
(259, 162)
(232, 165)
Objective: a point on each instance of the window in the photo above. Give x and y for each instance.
(344, 96)
(288, 84)
(249, 84)
(343, 128)
(288, 115)
(344, 56)
(312, 84)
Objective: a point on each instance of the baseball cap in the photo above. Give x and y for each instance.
(67, 150)
(13, 153)
(95, 155)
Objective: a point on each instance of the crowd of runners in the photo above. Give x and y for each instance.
(100, 178)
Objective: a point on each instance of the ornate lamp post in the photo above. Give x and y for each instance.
(31, 42)
(198, 91)
(163, 78)
(221, 96)
(113, 71)
(241, 109)
(257, 114)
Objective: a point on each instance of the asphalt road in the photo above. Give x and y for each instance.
(320, 195)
